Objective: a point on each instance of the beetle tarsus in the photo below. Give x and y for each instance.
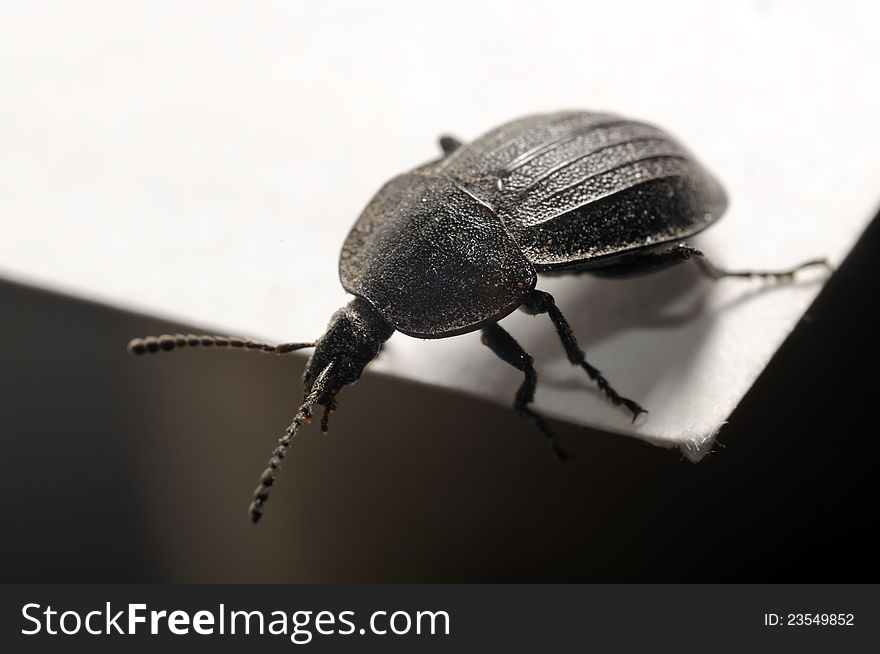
(545, 430)
(540, 302)
(616, 399)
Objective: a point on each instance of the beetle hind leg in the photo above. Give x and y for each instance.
(712, 271)
(508, 350)
(540, 302)
(655, 261)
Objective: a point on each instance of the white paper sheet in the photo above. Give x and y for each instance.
(204, 161)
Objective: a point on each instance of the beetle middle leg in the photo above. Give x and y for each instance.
(540, 302)
(497, 339)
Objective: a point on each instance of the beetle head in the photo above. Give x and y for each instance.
(353, 339)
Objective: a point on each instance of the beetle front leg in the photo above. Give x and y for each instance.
(505, 346)
(540, 302)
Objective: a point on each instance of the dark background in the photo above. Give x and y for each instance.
(121, 469)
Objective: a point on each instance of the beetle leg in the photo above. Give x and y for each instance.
(540, 302)
(449, 144)
(683, 252)
(714, 272)
(505, 346)
(652, 262)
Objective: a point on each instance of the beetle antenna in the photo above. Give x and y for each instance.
(167, 342)
(261, 494)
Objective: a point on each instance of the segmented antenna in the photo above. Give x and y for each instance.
(167, 342)
(261, 494)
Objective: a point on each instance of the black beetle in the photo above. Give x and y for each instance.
(455, 245)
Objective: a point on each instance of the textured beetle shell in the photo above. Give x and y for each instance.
(576, 188)
(455, 244)
(433, 260)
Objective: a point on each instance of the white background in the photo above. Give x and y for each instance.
(204, 160)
